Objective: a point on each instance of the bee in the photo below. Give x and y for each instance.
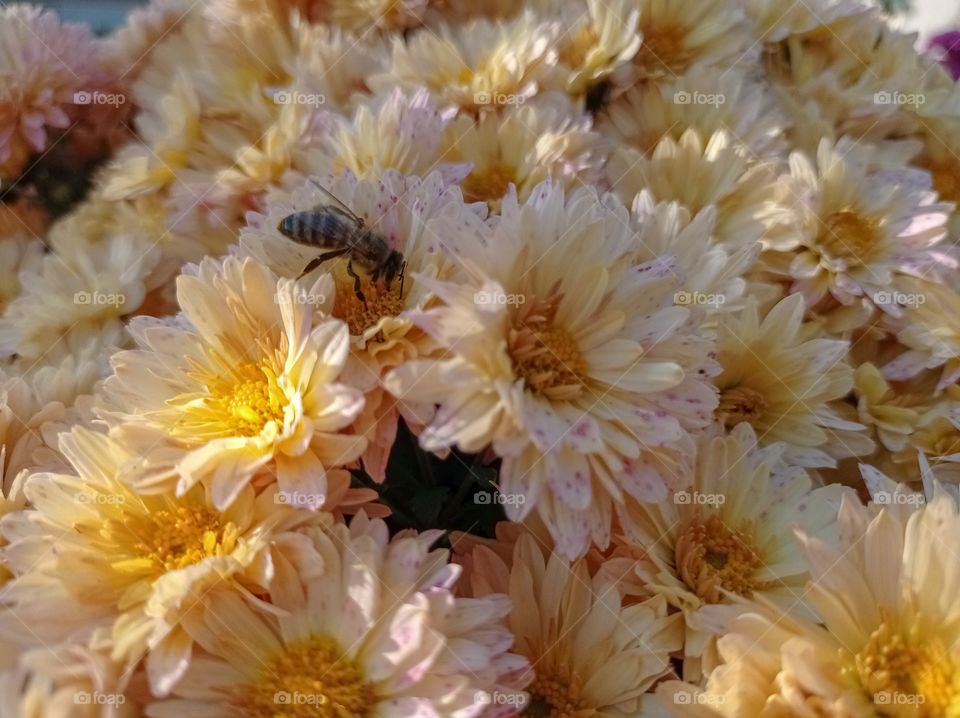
(335, 227)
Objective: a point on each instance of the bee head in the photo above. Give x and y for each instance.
(392, 267)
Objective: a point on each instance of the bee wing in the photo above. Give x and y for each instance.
(336, 200)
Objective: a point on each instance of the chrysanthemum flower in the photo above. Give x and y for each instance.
(706, 100)
(888, 644)
(774, 21)
(479, 64)
(43, 63)
(400, 132)
(784, 381)
(588, 653)
(416, 217)
(749, 203)
(127, 50)
(683, 34)
(547, 137)
(370, 629)
(574, 365)
(730, 533)
(243, 382)
(863, 224)
(76, 293)
(599, 38)
(134, 565)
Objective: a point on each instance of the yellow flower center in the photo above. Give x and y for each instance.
(740, 403)
(314, 679)
(488, 184)
(710, 556)
(378, 302)
(909, 674)
(181, 537)
(241, 401)
(574, 53)
(544, 355)
(849, 235)
(664, 51)
(555, 696)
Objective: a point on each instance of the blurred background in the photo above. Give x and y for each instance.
(926, 16)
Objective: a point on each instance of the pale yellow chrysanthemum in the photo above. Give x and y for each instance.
(130, 565)
(570, 362)
(478, 65)
(862, 223)
(400, 132)
(419, 218)
(244, 382)
(547, 137)
(67, 680)
(706, 100)
(599, 38)
(929, 328)
(784, 380)
(749, 203)
(729, 534)
(589, 654)
(854, 76)
(889, 642)
(369, 628)
(127, 50)
(681, 34)
(713, 273)
(76, 293)
(938, 441)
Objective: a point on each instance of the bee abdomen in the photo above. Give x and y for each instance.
(320, 229)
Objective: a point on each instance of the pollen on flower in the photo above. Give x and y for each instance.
(241, 402)
(183, 536)
(314, 678)
(664, 50)
(378, 302)
(740, 403)
(900, 662)
(710, 556)
(945, 176)
(849, 235)
(544, 355)
(488, 184)
(555, 696)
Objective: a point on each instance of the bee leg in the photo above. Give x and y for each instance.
(356, 283)
(403, 267)
(318, 260)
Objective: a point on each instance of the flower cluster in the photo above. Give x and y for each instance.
(455, 359)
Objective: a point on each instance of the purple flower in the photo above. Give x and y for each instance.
(947, 46)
